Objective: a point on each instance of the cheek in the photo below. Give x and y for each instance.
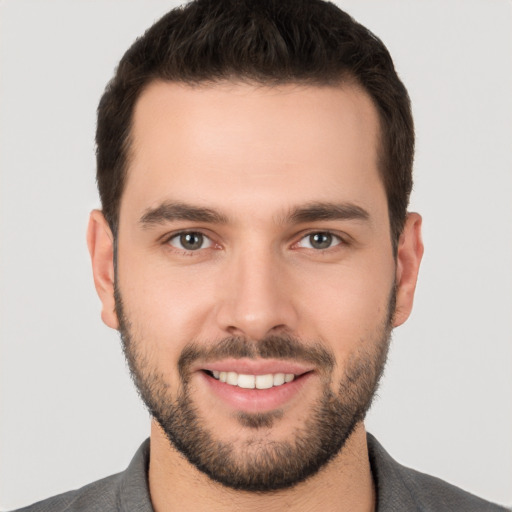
(171, 305)
(346, 306)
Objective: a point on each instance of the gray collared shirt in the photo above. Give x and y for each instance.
(399, 489)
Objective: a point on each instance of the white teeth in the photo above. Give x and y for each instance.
(246, 381)
(253, 381)
(278, 379)
(264, 381)
(232, 378)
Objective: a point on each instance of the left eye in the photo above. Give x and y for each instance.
(320, 240)
(190, 241)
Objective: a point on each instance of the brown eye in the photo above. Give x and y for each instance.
(190, 241)
(320, 240)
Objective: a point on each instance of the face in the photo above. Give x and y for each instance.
(255, 280)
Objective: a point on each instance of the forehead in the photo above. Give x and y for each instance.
(241, 144)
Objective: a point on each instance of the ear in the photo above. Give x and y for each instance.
(409, 254)
(101, 248)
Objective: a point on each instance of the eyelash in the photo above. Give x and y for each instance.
(180, 234)
(335, 238)
(338, 239)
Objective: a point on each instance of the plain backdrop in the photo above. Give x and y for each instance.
(69, 413)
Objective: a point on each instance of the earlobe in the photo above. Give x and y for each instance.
(100, 241)
(409, 254)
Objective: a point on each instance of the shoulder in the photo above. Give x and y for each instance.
(126, 491)
(435, 494)
(100, 495)
(401, 488)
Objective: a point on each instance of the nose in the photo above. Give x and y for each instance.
(257, 296)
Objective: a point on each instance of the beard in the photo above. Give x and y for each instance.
(259, 463)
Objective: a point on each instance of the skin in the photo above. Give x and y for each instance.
(253, 154)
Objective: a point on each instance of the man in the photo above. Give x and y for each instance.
(254, 250)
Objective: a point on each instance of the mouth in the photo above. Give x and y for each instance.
(255, 386)
(248, 381)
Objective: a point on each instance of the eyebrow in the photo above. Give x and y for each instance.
(171, 211)
(327, 211)
(312, 212)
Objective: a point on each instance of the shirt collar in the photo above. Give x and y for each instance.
(392, 492)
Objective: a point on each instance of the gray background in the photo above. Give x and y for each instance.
(68, 412)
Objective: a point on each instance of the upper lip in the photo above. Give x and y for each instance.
(255, 367)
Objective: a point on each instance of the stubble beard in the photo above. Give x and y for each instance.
(259, 463)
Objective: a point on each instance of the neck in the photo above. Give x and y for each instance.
(344, 484)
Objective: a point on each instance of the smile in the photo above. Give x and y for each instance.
(248, 381)
(255, 386)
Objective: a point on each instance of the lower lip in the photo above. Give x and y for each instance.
(256, 400)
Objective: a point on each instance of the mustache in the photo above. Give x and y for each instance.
(274, 346)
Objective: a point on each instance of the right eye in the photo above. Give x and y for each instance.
(190, 241)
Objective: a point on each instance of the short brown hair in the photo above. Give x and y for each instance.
(267, 42)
